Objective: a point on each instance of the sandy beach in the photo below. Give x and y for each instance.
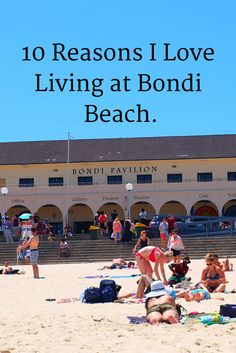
(29, 323)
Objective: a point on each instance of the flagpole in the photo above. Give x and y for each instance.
(67, 177)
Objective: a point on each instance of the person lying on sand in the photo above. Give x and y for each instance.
(160, 305)
(118, 264)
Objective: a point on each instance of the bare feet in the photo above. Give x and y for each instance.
(173, 320)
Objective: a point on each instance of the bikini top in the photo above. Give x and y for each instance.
(215, 276)
(143, 243)
(152, 254)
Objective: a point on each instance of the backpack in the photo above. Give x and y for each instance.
(109, 290)
(228, 310)
(92, 295)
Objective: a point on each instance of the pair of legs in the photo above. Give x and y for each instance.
(176, 256)
(35, 271)
(117, 236)
(34, 262)
(143, 283)
(219, 289)
(227, 266)
(197, 295)
(162, 309)
(144, 266)
(163, 240)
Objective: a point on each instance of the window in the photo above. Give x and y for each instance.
(26, 182)
(202, 177)
(57, 181)
(174, 178)
(231, 176)
(144, 179)
(86, 180)
(114, 179)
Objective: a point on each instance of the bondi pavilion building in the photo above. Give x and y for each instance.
(70, 180)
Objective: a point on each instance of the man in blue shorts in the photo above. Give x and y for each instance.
(33, 244)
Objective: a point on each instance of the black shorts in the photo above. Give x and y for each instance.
(176, 252)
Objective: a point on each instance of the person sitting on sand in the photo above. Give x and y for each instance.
(160, 305)
(149, 254)
(213, 278)
(8, 270)
(226, 265)
(179, 270)
(64, 250)
(116, 263)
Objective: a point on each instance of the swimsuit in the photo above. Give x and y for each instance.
(143, 243)
(151, 256)
(34, 254)
(161, 308)
(195, 291)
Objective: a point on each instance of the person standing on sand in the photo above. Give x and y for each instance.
(33, 244)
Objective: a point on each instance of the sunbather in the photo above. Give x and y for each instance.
(160, 305)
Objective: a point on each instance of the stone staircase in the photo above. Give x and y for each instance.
(83, 249)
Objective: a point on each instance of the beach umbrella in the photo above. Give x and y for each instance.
(25, 215)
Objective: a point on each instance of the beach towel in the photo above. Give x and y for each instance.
(137, 319)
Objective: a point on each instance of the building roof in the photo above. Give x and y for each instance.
(119, 149)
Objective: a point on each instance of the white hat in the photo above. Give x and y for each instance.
(158, 289)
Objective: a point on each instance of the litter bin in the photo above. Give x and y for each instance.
(94, 232)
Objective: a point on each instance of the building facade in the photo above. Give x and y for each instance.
(70, 180)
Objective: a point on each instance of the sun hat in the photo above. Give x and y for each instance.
(158, 289)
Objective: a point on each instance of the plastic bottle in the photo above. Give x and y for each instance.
(208, 319)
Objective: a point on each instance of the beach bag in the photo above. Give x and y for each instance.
(228, 310)
(109, 290)
(92, 295)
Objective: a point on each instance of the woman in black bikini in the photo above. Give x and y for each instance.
(213, 278)
(142, 241)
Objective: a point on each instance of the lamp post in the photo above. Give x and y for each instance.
(4, 192)
(129, 187)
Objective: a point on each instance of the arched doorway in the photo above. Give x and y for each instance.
(173, 207)
(80, 218)
(136, 207)
(229, 209)
(204, 208)
(17, 210)
(54, 216)
(109, 207)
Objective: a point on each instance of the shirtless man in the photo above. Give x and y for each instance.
(33, 244)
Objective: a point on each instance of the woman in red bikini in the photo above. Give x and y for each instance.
(149, 254)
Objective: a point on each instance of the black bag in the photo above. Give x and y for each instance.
(228, 310)
(92, 295)
(109, 290)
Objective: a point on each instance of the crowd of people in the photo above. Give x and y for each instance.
(113, 228)
(15, 228)
(160, 292)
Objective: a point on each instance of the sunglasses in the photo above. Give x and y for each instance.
(209, 263)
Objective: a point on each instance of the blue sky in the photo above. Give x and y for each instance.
(29, 115)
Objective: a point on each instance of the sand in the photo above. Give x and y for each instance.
(29, 323)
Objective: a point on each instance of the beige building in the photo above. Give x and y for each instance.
(71, 180)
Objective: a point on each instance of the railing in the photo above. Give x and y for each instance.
(200, 226)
